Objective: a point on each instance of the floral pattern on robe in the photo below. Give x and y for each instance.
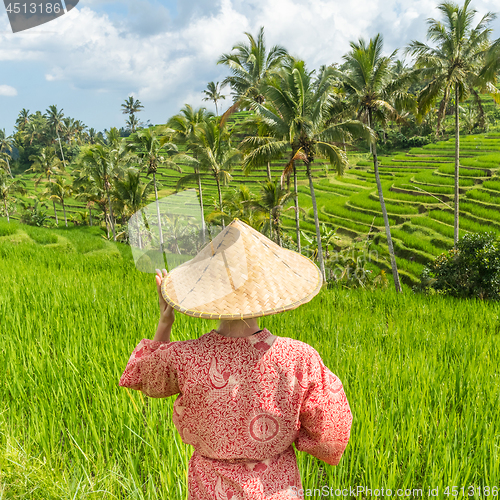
(242, 403)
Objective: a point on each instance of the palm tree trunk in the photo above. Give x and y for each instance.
(269, 170)
(55, 212)
(60, 146)
(159, 223)
(278, 228)
(457, 168)
(64, 210)
(394, 266)
(220, 199)
(296, 196)
(90, 215)
(106, 222)
(271, 225)
(370, 125)
(111, 219)
(203, 227)
(7, 213)
(8, 166)
(316, 222)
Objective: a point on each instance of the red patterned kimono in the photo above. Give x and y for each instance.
(242, 403)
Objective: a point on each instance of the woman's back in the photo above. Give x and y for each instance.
(242, 403)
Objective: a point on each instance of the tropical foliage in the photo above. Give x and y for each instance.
(298, 120)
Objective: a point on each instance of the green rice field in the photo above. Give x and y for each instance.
(421, 375)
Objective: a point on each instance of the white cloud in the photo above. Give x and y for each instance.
(7, 90)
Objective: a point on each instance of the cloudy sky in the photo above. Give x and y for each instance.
(164, 52)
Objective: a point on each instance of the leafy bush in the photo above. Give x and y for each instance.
(34, 215)
(470, 271)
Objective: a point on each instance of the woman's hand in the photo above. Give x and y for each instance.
(167, 315)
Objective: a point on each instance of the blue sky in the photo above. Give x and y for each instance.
(164, 52)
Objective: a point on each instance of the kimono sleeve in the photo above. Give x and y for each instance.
(152, 369)
(325, 415)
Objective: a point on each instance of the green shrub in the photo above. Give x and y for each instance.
(470, 271)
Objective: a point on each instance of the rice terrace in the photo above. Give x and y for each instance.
(355, 165)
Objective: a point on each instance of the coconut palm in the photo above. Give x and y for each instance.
(273, 198)
(453, 68)
(212, 93)
(55, 121)
(36, 129)
(9, 187)
(297, 115)
(235, 203)
(251, 66)
(58, 189)
(133, 123)
(377, 95)
(102, 164)
(182, 129)
(131, 107)
(153, 151)
(214, 153)
(22, 119)
(131, 193)
(87, 189)
(46, 163)
(6, 149)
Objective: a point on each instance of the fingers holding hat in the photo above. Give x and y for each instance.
(167, 314)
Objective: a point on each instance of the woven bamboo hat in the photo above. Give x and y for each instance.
(241, 274)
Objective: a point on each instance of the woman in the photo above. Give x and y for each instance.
(245, 395)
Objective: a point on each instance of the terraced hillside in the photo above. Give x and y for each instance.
(418, 187)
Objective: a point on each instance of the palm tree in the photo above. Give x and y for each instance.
(131, 107)
(453, 67)
(58, 190)
(8, 187)
(376, 95)
(153, 149)
(133, 123)
(46, 163)
(22, 119)
(236, 204)
(36, 128)
(213, 152)
(182, 129)
(131, 193)
(297, 114)
(6, 148)
(251, 66)
(88, 189)
(213, 94)
(55, 120)
(102, 164)
(273, 198)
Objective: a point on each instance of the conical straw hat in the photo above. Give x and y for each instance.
(241, 274)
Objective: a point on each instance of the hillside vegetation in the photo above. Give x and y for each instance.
(418, 186)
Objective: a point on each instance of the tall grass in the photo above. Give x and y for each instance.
(420, 373)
